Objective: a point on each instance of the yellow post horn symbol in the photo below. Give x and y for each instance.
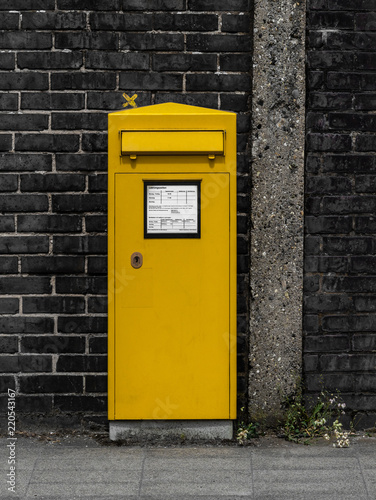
(130, 100)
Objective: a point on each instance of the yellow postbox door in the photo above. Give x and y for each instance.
(171, 342)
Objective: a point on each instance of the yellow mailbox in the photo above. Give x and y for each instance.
(172, 263)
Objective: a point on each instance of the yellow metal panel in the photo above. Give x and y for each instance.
(172, 323)
(169, 142)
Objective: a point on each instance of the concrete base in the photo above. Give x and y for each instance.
(190, 429)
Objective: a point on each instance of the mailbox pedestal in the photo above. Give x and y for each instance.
(172, 271)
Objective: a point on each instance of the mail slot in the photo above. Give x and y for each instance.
(172, 264)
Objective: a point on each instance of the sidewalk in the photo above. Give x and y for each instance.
(80, 467)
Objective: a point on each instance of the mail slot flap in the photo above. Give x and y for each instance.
(172, 142)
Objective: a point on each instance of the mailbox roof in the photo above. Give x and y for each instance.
(171, 108)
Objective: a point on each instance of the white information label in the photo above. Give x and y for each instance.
(172, 209)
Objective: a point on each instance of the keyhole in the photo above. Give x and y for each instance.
(136, 260)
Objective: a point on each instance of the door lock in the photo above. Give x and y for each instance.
(136, 260)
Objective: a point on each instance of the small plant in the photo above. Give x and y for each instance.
(247, 431)
(304, 423)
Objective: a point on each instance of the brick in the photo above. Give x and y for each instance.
(78, 121)
(345, 245)
(349, 41)
(321, 184)
(310, 363)
(365, 102)
(8, 344)
(236, 23)
(194, 99)
(349, 284)
(81, 285)
(22, 324)
(47, 142)
(9, 20)
(27, 4)
(365, 303)
(38, 384)
(8, 183)
(321, 303)
(94, 142)
(184, 62)
(366, 21)
(50, 101)
(23, 81)
(52, 265)
(362, 264)
(364, 342)
(148, 5)
(82, 81)
(337, 20)
(347, 362)
(97, 305)
(79, 363)
(222, 82)
(52, 182)
(7, 61)
(350, 121)
(316, 121)
(96, 383)
(23, 203)
(348, 204)
(81, 403)
(23, 122)
(218, 43)
(329, 142)
(235, 62)
(96, 223)
(312, 245)
(53, 20)
(7, 382)
(9, 102)
(98, 183)
(331, 382)
(88, 5)
(82, 324)
(152, 41)
(9, 305)
(365, 382)
(49, 223)
(317, 4)
(186, 22)
(311, 283)
(117, 60)
(332, 264)
(351, 81)
(94, 40)
(365, 143)
(98, 345)
(315, 80)
(121, 22)
(49, 60)
(53, 344)
(330, 60)
(229, 5)
(326, 343)
(349, 5)
(80, 244)
(328, 224)
(81, 162)
(25, 40)
(151, 81)
(34, 404)
(24, 244)
(8, 265)
(79, 203)
(349, 323)
(349, 163)
(329, 100)
(365, 184)
(366, 224)
(26, 364)
(25, 162)
(53, 304)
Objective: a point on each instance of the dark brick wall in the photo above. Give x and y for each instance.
(62, 70)
(340, 261)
